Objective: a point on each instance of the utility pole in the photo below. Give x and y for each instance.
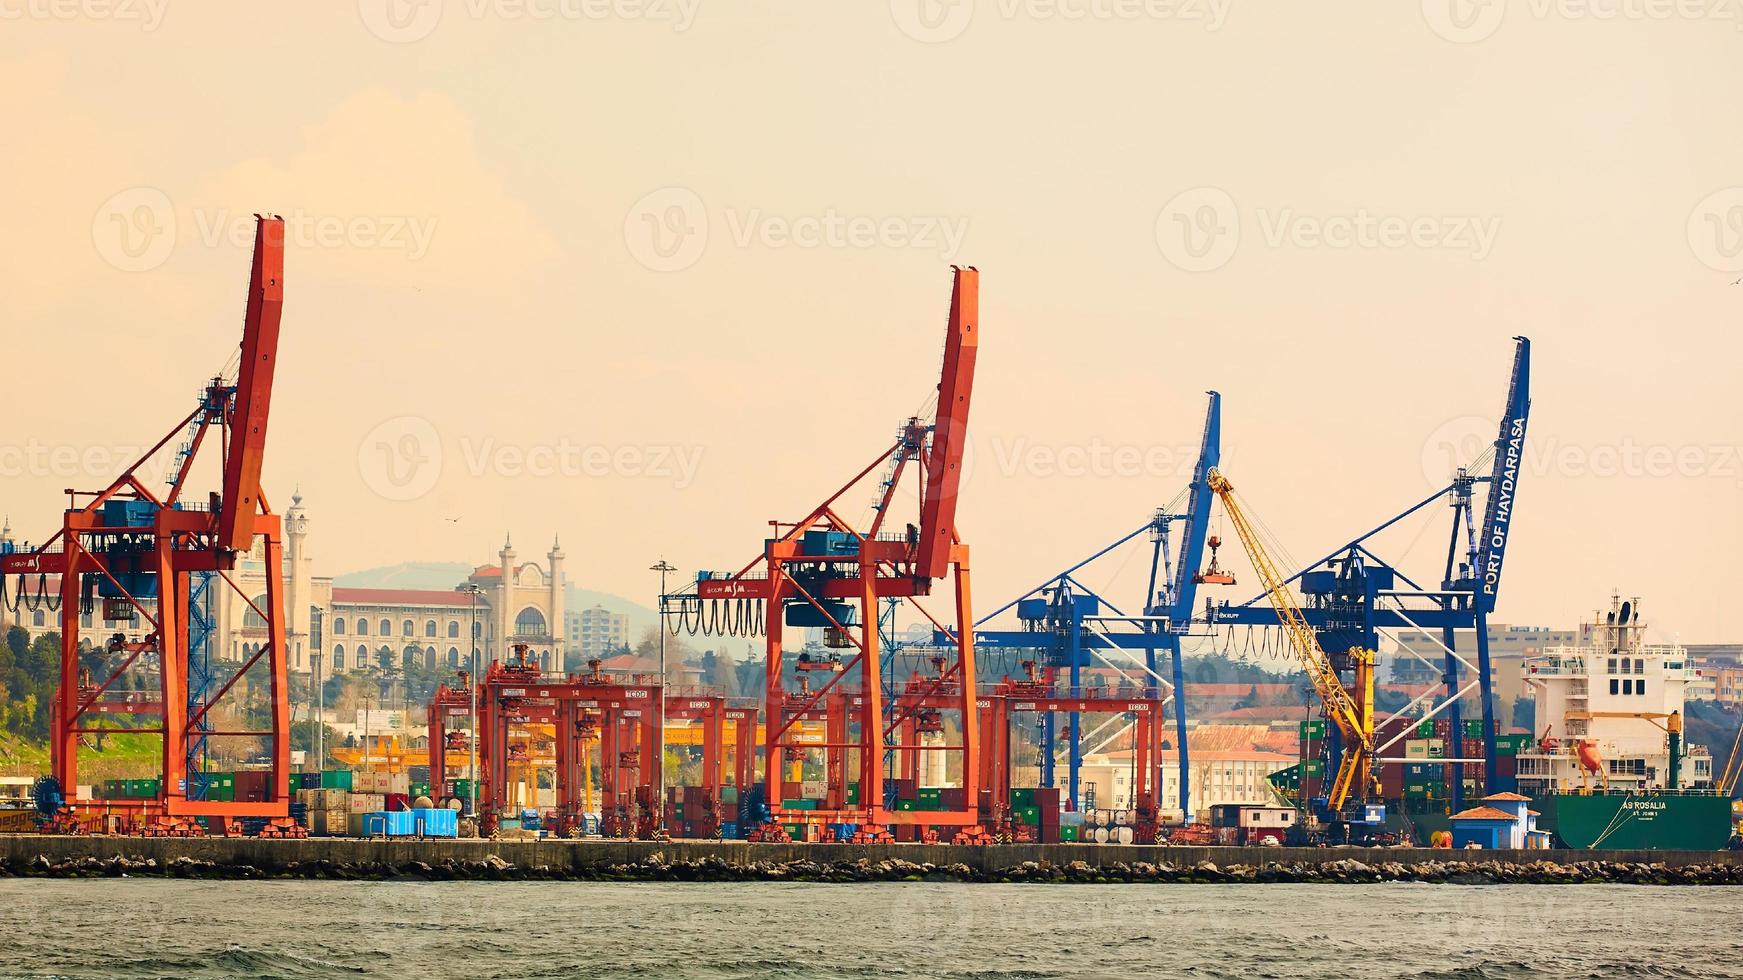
(315, 648)
(473, 591)
(366, 703)
(664, 568)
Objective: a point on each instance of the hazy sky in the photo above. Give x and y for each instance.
(649, 273)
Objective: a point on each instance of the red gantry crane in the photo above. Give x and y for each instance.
(150, 554)
(822, 572)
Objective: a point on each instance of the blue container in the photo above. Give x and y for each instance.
(391, 823)
(729, 831)
(438, 822)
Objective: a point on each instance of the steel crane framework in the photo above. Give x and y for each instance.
(1353, 596)
(158, 555)
(822, 572)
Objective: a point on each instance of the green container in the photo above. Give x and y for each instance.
(1416, 789)
(729, 794)
(1315, 767)
(853, 794)
(1473, 728)
(798, 804)
(1312, 730)
(1425, 728)
(462, 787)
(1029, 816)
(1023, 797)
(341, 779)
(906, 806)
(1067, 835)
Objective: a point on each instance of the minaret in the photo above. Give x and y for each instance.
(558, 629)
(505, 597)
(298, 590)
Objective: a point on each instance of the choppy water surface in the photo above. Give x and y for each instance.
(406, 930)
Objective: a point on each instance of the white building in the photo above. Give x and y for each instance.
(342, 630)
(1218, 776)
(596, 632)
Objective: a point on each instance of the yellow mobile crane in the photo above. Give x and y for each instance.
(1354, 720)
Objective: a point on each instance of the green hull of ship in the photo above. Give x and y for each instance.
(1636, 823)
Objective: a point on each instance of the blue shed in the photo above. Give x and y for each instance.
(1484, 826)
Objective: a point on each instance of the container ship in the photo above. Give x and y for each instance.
(1611, 769)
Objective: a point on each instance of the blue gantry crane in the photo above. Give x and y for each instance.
(1068, 626)
(1352, 594)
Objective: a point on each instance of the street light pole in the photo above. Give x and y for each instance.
(664, 567)
(473, 592)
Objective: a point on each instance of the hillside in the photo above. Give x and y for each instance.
(446, 575)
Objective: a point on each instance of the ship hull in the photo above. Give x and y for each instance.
(1637, 822)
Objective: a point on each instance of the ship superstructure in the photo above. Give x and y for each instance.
(1609, 713)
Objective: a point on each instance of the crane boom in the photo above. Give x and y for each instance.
(1504, 478)
(1354, 721)
(253, 387)
(950, 429)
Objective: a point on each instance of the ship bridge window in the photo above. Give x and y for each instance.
(1612, 669)
(1614, 685)
(1628, 687)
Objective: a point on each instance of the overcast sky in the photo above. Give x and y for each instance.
(649, 273)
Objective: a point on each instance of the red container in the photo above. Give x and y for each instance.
(398, 801)
(252, 786)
